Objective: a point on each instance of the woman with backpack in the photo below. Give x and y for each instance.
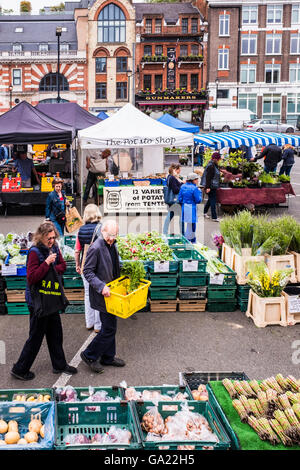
(211, 179)
(174, 183)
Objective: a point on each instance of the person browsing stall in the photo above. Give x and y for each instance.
(174, 183)
(25, 167)
(56, 205)
(288, 160)
(211, 179)
(189, 197)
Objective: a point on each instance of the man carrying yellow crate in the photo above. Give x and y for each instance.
(101, 267)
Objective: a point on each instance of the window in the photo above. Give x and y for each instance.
(224, 25)
(294, 73)
(295, 14)
(100, 64)
(223, 94)
(249, 15)
(16, 77)
(121, 91)
(223, 59)
(295, 44)
(158, 82)
(293, 108)
(274, 14)
(271, 106)
(158, 50)
(248, 73)
(49, 82)
(43, 47)
(122, 64)
(185, 25)
(183, 50)
(249, 43)
(101, 91)
(18, 30)
(111, 24)
(147, 82)
(64, 47)
(183, 80)
(158, 25)
(273, 44)
(194, 28)
(248, 101)
(148, 28)
(272, 73)
(194, 49)
(194, 81)
(17, 47)
(147, 50)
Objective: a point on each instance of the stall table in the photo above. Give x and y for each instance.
(257, 197)
(23, 197)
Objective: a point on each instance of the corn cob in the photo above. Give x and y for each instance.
(287, 428)
(255, 386)
(296, 408)
(284, 401)
(240, 410)
(292, 397)
(238, 387)
(259, 407)
(286, 441)
(253, 407)
(293, 383)
(272, 435)
(248, 389)
(281, 381)
(272, 383)
(246, 404)
(230, 388)
(253, 422)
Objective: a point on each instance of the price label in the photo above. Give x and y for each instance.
(294, 304)
(10, 270)
(217, 279)
(125, 174)
(111, 178)
(161, 266)
(189, 265)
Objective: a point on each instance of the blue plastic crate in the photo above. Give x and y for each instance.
(21, 269)
(111, 183)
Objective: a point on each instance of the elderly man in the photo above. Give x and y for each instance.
(101, 267)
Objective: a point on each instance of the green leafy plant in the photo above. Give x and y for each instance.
(135, 271)
(284, 178)
(267, 178)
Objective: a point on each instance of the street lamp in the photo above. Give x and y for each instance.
(217, 88)
(128, 92)
(10, 95)
(58, 34)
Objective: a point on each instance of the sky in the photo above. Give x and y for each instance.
(36, 4)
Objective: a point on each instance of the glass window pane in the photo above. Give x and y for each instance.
(276, 105)
(267, 105)
(252, 76)
(243, 75)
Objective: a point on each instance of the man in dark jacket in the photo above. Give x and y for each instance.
(101, 267)
(211, 182)
(288, 158)
(273, 155)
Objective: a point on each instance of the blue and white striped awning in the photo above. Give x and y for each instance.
(219, 140)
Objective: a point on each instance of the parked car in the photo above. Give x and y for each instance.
(226, 119)
(269, 125)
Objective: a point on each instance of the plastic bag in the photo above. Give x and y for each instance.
(153, 422)
(117, 435)
(68, 253)
(67, 394)
(130, 392)
(76, 439)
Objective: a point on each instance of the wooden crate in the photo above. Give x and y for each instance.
(297, 264)
(163, 305)
(74, 294)
(227, 254)
(266, 311)
(291, 318)
(278, 262)
(15, 295)
(239, 264)
(192, 305)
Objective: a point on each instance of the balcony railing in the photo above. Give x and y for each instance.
(50, 55)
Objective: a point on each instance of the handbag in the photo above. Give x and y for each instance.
(98, 164)
(86, 246)
(48, 295)
(73, 220)
(61, 217)
(169, 196)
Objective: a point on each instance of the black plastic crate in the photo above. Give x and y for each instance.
(2, 283)
(194, 379)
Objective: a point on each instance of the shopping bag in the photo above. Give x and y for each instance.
(73, 220)
(48, 295)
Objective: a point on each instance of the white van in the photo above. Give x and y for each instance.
(226, 119)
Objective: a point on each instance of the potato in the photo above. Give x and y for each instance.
(12, 437)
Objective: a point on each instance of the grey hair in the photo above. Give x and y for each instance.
(110, 225)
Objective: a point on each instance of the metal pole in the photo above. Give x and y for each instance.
(58, 66)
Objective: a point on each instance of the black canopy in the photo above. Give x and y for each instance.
(25, 124)
(70, 113)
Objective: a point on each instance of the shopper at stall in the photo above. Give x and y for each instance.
(56, 205)
(189, 196)
(4, 153)
(174, 183)
(101, 267)
(272, 155)
(43, 255)
(25, 167)
(211, 182)
(288, 157)
(88, 233)
(97, 165)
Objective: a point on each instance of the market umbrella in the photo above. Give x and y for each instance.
(178, 124)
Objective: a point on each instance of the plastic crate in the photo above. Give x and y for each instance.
(169, 390)
(163, 280)
(85, 392)
(218, 306)
(22, 413)
(15, 283)
(3, 297)
(203, 408)
(2, 282)
(12, 394)
(163, 293)
(126, 182)
(72, 281)
(192, 293)
(194, 379)
(70, 269)
(177, 241)
(242, 304)
(192, 279)
(75, 307)
(3, 309)
(219, 293)
(124, 305)
(186, 257)
(92, 418)
(110, 184)
(21, 268)
(228, 280)
(70, 240)
(17, 308)
(167, 266)
(243, 292)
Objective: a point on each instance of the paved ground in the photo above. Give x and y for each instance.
(157, 346)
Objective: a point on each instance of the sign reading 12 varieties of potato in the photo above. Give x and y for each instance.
(134, 199)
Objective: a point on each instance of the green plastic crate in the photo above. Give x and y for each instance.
(192, 279)
(192, 293)
(163, 293)
(189, 254)
(75, 306)
(84, 392)
(217, 306)
(70, 240)
(71, 269)
(219, 293)
(163, 280)
(229, 277)
(10, 394)
(92, 418)
(169, 390)
(177, 241)
(242, 304)
(72, 281)
(172, 266)
(15, 282)
(243, 292)
(203, 408)
(17, 308)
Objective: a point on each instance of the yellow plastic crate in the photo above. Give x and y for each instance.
(46, 184)
(122, 304)
(39, 147)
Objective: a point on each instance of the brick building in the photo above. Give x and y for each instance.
(254, 51)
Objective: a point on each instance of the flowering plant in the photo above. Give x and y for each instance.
(218, 240)
(148, 246)
(265, 284)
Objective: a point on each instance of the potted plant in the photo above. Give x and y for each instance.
(268, 180)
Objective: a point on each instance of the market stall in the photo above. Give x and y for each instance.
(136, 142)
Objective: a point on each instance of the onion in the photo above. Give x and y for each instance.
(3, 426)
(31, 437)
(12, 437)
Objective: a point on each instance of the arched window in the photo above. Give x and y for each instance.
(49, 82)
(54, 100)
(111, 24)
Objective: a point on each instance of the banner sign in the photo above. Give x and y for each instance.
(171, 65)
(134, 199)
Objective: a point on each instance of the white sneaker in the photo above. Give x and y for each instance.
(216, 220)
(206, 216)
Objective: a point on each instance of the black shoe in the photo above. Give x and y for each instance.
(93, 365)
(116, 363)
(67, 370)
(27, 376)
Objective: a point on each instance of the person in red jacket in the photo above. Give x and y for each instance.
(41, 255)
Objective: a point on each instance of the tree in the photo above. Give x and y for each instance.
(25, 7)
(59, 7)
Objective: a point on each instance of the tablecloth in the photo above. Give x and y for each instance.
(257, 197)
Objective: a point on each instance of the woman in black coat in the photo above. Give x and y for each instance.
(174, 182)
(288, 158)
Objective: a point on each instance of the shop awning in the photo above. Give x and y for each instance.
(219, 140)
(178, 124)
(102, 115)
(69, 113)
(25, 124)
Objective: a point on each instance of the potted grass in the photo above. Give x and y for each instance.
(269, 180)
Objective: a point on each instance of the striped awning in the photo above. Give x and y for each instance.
(219, 140)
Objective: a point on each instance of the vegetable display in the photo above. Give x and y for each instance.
(12, 433)
(214, 264)
(69, 394)
(149, 246)
(115, 435)
(265, 284)
(135, 271)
